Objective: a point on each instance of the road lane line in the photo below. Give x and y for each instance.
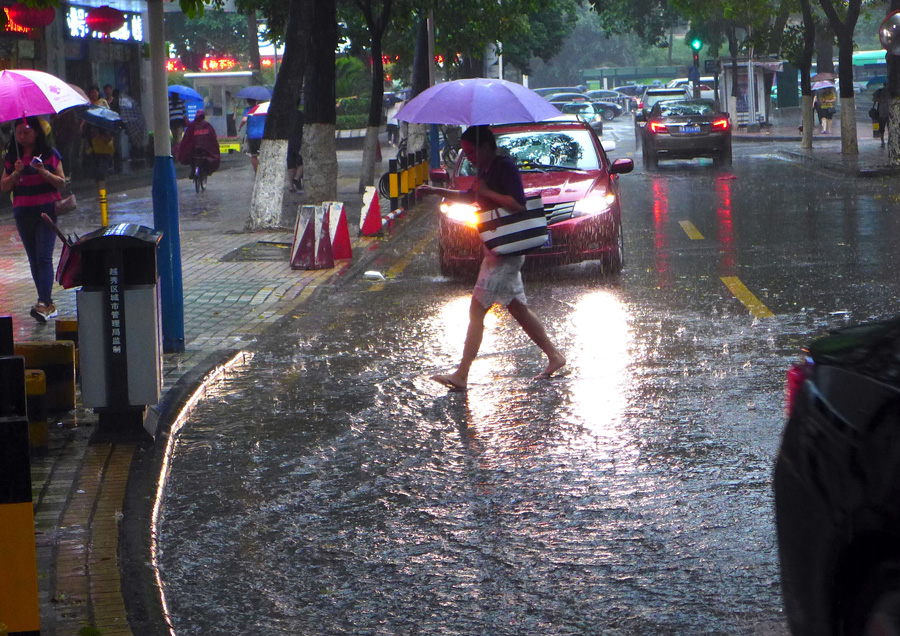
(691, 230)
(743, 294)
(403, 262)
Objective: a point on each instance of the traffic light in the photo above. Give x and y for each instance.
(696, 45)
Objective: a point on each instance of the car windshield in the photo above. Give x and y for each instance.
(561, 149)
(685, 109)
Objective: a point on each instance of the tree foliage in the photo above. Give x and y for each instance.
(214, 33)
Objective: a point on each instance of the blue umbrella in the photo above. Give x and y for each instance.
(185, 91)
(878, 79)
(105, 118)
(259, 93)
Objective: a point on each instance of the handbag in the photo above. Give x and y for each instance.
(513, 233)
(65, 205)
(68, 271)
(873, 114)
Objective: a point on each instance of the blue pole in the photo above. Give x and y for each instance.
(165, 220)
(435, 153)
(165, 191)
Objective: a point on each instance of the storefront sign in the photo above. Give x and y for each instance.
(131, 31)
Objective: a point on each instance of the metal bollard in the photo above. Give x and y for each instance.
(7, 347)
(19, 607)
(404, 181)
(57, 361)
(394, 183)
(36, 400)
(67, 329)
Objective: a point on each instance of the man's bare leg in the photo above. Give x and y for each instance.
(533, 327)
(458, 379)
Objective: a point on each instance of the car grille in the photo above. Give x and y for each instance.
(559, 211)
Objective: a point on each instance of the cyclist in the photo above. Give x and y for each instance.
(199, 146)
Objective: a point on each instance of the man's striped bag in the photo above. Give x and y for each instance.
(513, 233)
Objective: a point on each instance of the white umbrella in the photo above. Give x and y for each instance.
(820, 85)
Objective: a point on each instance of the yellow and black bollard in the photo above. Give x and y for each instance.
(104, 208)
(57, 361)
(394, 183)
(19, 607)
(404, 182)
(36, 399)
(67, 329)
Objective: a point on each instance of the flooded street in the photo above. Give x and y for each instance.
(329, 487)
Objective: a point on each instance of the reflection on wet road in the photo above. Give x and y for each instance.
(330, 488)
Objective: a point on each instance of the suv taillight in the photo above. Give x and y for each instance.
(720, 124)
(657, 127)
(796, 376)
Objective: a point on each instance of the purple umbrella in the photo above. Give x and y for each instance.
(470, 102)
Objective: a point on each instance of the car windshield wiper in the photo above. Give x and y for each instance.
(544, 167)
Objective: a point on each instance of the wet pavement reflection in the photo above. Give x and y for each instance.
(331, 488)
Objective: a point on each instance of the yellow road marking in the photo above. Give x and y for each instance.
(394, 271)
(743, 294)
(691, 230)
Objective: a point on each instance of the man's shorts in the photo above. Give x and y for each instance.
(253, 146)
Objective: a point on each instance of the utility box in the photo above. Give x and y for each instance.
(119, 328)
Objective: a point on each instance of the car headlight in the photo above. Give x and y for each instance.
(460, 212)
(594, 204)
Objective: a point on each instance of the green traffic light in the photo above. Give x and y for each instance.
(696, 44)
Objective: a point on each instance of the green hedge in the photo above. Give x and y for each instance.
(350, 122)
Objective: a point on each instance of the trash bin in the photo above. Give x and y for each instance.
(119, 328)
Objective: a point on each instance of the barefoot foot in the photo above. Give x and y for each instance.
(451, 382)
(556, 363)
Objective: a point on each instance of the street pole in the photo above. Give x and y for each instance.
(165, 191)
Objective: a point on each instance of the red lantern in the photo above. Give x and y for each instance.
(31, 17)
(104, 19)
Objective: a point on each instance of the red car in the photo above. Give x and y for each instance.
(564, 163)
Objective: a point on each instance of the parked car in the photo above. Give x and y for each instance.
(561, 98)
(565, 163)
(683, 81)
(837, 485)
(586, 112)
(627, 102)
(553, 90)
(685, 129)
(649, 97)
(632, 90)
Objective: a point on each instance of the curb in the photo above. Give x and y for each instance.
(850, 167)
(140, 586)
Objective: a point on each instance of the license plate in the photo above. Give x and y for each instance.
(690, 129)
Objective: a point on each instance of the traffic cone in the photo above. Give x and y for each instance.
(370, 221)
(340, 231)
(312, 250)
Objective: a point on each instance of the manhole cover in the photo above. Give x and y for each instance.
(260, 251)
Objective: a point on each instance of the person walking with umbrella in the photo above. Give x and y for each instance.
(34, 174)
(498, 185)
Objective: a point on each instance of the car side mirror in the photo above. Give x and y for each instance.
(438, 176)
(621, 166)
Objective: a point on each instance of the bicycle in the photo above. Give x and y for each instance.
(199, 171)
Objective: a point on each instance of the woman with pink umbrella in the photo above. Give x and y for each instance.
(33, 172)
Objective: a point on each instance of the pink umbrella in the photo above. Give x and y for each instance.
(25, 93)
(470, 102)
(259, 109)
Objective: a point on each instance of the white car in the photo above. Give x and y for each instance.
(706, 84)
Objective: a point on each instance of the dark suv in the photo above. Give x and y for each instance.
(837, 485)
(652, 95)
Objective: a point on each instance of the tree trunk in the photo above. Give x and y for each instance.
(893, 89)
(809, 46)
(376, 105)
(318, 150)
(268, 188)
(844, 30)
(824, 51)
(253, 37)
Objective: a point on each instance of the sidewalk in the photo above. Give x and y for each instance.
(237, 284)
(872, 160)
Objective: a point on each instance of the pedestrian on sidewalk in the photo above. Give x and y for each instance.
(34, 174)
(498, 185)
(824, 103)
(882, 108)
(256, 125)
(294, 157)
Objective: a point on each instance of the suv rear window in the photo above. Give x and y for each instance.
(683, 109)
